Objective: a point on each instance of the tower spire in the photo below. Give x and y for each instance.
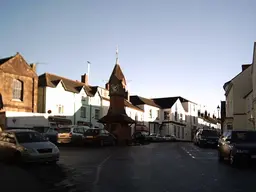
(117, 60)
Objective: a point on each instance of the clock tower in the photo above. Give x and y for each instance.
(116, 120)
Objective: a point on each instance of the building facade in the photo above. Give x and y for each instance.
(18, 87)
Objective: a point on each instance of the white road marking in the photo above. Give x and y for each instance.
(98, 171)
(193, 157)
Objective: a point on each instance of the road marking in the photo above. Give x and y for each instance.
(193, 157)
(98, 171)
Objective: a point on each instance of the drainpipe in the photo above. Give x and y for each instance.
(90, 111)
(74, 114)
(33, 94)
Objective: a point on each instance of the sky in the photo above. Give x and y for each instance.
(187, 48)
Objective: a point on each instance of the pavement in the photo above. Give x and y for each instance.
(157, 167)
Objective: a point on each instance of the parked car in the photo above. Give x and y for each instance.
(24, 145)
(170, 138)
(237, 146)
(72, 134)
(206, 137)
(99, 136)
(152, 136)
(141, 137)
(48, 132)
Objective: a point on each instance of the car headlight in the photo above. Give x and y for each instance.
(242, 151)
(55, 149)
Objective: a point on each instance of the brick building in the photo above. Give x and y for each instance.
(18, 86)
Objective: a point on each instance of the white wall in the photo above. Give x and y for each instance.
(59, 97)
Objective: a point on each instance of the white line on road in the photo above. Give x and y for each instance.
(193, 157)
(98, 171)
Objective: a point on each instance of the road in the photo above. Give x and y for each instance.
(157, 167)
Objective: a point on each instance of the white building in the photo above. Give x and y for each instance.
(152, 118)
(237, 93)
(69, 99)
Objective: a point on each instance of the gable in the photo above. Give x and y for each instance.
(18, 66)
(178, 105)
(61, 85)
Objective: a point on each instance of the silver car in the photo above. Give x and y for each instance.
(21, 145)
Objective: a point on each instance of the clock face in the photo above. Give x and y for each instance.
(115, 88)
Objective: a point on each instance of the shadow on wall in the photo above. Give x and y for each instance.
(83, 116)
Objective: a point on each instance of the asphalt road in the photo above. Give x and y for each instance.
(157, 167)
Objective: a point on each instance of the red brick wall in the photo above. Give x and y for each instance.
(30, 92)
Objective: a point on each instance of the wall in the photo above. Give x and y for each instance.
(230, 103)
(30, 92)
(59, 97)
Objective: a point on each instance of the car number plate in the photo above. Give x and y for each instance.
(89, 137)
(253, 156)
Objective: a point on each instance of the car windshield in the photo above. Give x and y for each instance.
(29, 137)
(64, 130)
(209, 133)
(244, 136)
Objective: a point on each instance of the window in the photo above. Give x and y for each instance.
(176, 116)
(83, 112)
(166, 115)
(194, 119)
(97, 114)
(83, 98)
(194, 108)
(60, 109)
(175, 130)
(158, 114)
(150, 113)
(17, 90)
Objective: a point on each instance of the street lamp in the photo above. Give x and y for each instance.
(218, 109)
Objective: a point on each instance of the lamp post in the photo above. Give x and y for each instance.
(218, 109)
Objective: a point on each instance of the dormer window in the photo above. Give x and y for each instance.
(17, 90)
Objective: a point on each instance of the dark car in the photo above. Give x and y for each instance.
(141, 137)
(99, 137)
(206, 137)
(48, 132)
(237, 145)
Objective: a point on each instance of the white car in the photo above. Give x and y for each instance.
(23, 145)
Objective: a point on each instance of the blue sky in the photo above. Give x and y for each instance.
(166, 48)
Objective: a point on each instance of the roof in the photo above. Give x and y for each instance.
(248, 94)
(3, 60)
(52, 80)
(137, 100)
(227, 83)
(168, 102)
(17, 65)
(117, 74)
(127, 104)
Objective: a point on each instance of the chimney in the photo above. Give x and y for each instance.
(107, 86)
(84, 79)
(33, 66)
(245, 66)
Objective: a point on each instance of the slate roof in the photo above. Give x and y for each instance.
(117, 74)
(52, 80)
(3, 60)
(137, 100)
(168, 102)
(127, 104)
